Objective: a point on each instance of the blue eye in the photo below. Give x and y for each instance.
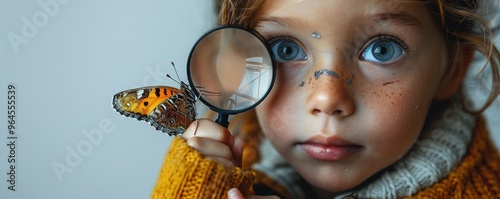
(382, 51)
(287, 50)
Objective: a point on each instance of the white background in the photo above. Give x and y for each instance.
(65, 77)
(65, 74)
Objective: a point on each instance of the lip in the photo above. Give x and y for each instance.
(329, 148)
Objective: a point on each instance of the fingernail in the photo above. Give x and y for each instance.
(234, 193)
(238, 142)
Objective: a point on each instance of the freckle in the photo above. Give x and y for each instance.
(349, 82)
(393, 73)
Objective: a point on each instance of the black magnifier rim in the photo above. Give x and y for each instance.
(269, 51)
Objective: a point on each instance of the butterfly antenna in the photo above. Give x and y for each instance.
(178, 80)
(175, 69)
(173, 79)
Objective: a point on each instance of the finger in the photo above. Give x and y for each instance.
(234, 193)
(227, 163)
(191, 130)
(209, 147)
(262, 197)
(209, 129)
(237, 150)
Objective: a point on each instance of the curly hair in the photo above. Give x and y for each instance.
(464, 26)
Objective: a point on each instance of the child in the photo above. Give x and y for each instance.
(366, 104)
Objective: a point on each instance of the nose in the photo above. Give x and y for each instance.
(329, 95)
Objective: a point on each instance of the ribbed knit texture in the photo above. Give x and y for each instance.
(186, 174)
(477, 176)
(438, 150)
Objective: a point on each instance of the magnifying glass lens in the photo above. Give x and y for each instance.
(231, 69)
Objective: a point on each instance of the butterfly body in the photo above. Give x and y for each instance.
(168, 109)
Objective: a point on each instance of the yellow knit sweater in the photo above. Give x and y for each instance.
(186, 174)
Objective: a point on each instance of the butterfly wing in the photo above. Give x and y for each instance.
(152, 104)
(173, 116)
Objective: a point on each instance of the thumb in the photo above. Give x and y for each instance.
(234, 193)
(237, 150)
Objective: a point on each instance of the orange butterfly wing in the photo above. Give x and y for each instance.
(170, 110)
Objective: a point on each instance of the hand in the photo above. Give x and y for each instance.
(214, 142)
(234, 193)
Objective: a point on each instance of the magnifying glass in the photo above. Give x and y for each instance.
(231, 69)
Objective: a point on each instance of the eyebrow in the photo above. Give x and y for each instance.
(288, 22)
(401, 17)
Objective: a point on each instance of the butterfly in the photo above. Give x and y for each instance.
(168, 109)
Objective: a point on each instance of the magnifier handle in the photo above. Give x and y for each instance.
(222, 120)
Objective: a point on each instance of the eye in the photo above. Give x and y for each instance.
(286, 50)
(383, 50)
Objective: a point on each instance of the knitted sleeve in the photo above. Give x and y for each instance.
(185, 173)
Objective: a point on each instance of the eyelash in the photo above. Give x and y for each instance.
(387, 37)
(281, 36)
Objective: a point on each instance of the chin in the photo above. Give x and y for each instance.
(329, 179)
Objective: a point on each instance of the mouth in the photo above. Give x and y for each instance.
(330, 148)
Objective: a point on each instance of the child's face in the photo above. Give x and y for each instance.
(355, 81)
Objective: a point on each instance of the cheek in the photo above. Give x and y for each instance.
(398, 111)
(277, 113)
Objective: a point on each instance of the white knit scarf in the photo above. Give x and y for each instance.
(440, 147)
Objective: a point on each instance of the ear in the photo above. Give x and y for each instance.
(459, 61)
